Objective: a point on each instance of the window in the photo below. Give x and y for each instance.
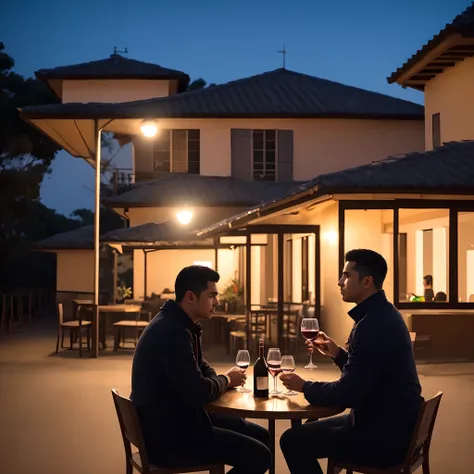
(177, 151)
(371, 229)
(436, 130)
(466, 257)
(423, 255)
(264, 155)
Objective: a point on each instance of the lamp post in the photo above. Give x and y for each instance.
(149, 129)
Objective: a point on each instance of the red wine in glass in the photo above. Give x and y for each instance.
(274, 368)
(310, 330)
(310, 334)
(243, 365)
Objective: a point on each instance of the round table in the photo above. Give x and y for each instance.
(276, 407)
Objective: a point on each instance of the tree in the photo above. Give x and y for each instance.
(198, 84)
(25, 153)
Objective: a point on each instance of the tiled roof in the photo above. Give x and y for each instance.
(462, 24)
(163, 233)
(77, 239)
(279, 93)
(114, 67)
(449, 166)
(447, 169)
(177, 189)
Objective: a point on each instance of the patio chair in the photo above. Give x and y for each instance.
(75, 327)
(136, 325)
(132, 437)
(418, 452)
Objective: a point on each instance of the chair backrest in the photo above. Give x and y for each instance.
(424, 426)
(60, 313)
(130, 429)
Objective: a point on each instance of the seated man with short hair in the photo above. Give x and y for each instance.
(171, 382)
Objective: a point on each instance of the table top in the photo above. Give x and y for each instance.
(276, 407)
(119, 308)
(83, 302)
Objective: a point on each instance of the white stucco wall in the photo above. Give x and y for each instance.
(320, 145)
(451, 94)
(108, 90)
(75, 271)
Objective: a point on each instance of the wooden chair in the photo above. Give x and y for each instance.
(418, 452)
(132, 437)
(75, 327)
(136, 325)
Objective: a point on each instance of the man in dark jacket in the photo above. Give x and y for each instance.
(379, 381)
(171, 382)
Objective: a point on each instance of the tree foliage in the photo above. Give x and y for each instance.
(25, 153)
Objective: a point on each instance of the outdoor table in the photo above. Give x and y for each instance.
(114, 309)
(276, 407)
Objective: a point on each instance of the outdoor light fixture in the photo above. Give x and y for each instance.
(184, 217)
(149, 128)
(331, 236)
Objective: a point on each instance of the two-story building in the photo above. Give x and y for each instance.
(415, 209)
(218, 151)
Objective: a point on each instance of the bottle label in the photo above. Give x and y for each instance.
(262, 383)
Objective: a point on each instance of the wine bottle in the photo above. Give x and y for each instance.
(260, 373)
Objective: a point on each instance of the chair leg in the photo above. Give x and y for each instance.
(80, 340)
(88, 334)
(116, 339)
(60, 335)
(332, 469)
(217, 470)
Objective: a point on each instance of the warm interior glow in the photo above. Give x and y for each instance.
(149, 128)
(184, 217)
(331, 236)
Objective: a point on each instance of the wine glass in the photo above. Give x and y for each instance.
(287, 367)
(274, 367)
(243, 361)
(310, 330)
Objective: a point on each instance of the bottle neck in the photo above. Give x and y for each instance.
(260, 351)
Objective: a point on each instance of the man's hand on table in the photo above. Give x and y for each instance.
(236, 376)
(292, 382)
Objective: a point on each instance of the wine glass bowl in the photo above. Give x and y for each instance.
(310, 331)
(287, 367)
(243, 361)
(274, 367)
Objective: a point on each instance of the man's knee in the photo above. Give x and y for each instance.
(289, 440)
(257, 432)
(264, 457)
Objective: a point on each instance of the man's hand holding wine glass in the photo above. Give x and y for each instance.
(237, 376)
(325, 345)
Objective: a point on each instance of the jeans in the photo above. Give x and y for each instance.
(236, 442)
(303, 445)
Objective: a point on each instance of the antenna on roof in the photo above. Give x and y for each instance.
(283, 52)
(116, 51)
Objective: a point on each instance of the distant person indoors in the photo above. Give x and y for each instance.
(171, 383)
(379, 381)
(428, 288)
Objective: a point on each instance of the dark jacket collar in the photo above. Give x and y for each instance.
(367, 305)
(172, 309)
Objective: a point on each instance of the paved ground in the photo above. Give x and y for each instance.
(57, 414)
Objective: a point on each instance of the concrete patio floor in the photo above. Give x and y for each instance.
(57, 413)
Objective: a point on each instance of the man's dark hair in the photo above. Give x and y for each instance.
(194, 278)
(428, 279)
(368, 263)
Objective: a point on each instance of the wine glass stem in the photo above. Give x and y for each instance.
(274, 383)
(310, 358)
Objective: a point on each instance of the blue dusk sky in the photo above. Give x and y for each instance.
(358, 43)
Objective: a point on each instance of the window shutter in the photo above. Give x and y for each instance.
(241, 153)
(285, 155)
(142, 157)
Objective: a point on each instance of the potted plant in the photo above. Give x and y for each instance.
(232, 296)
